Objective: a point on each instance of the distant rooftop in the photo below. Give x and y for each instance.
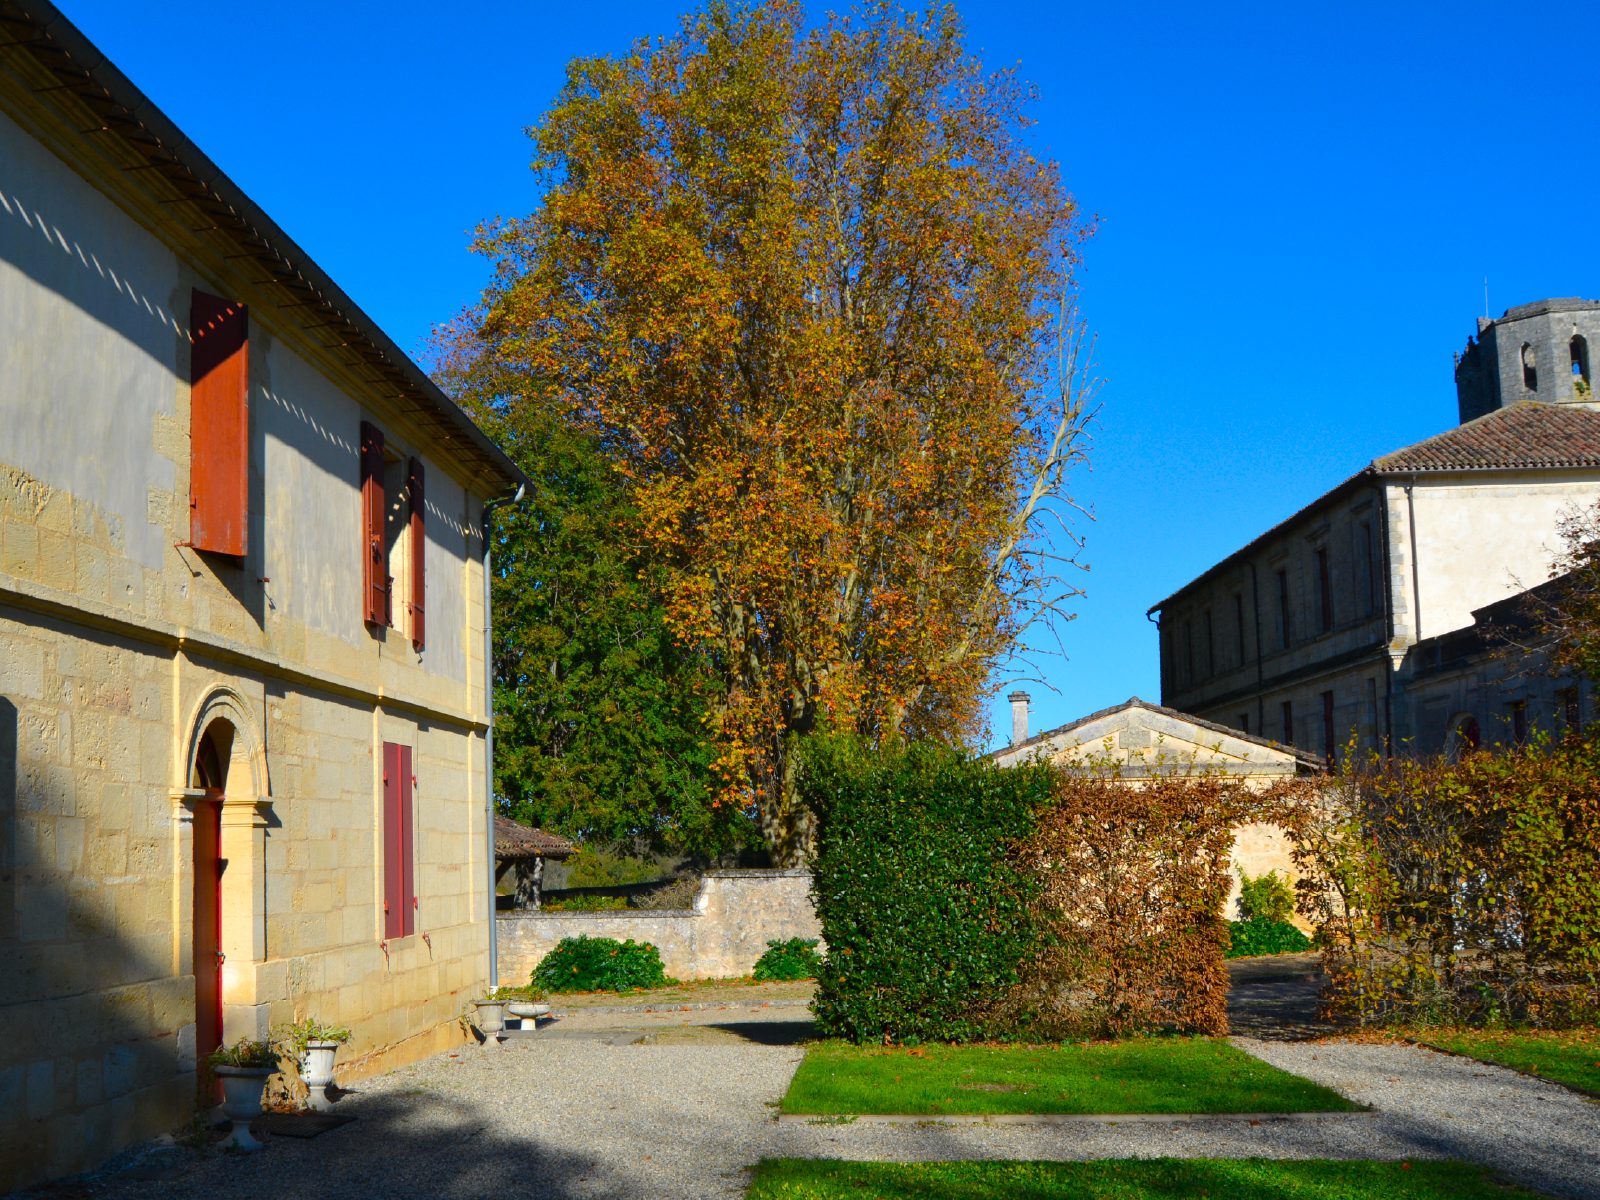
(1524, 436)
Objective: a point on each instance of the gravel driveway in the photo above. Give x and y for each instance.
(661, 1106)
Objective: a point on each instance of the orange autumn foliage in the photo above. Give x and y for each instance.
(808, 285)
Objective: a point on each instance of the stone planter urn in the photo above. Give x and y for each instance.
(241, 1102)
(492, 1021)
(528, 1013)
(316, 1072)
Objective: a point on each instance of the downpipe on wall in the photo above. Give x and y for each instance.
(488, 724)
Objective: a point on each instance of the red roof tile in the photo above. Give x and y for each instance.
(513, 841)
(1523, 435)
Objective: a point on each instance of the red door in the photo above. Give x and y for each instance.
(208, 866)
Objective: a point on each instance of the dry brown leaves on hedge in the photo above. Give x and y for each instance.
(1133, 879)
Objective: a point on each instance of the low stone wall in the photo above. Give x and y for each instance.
(734, 916)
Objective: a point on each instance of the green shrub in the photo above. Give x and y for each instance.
(600, 964)
(246, 1052)
(1265, 898)
(925, 913)
(796, 958)
(1260, 936)
(295, 1038)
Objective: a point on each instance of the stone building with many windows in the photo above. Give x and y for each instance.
(1325, 628)
(243, 709)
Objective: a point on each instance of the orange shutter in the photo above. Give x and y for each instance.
(374, 558)
(419, 554)
(219, 424)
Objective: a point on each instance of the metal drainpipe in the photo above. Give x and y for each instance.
(488, 727)
(1416, 575)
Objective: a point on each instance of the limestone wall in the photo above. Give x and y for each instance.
(734, 917)
(120, 645)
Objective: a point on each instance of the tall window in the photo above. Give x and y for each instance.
(1244, 722)
(1288, 722)
(1238, 628)
(1211, 646)
(1188, 652)
(1372, 710)
(1329, 742)
(1570, 715)
(394, 538)
(1283, 610)
(1519, 722)
(1367, 551)
(1324, 591)
(1530, 368)
(1579, 350)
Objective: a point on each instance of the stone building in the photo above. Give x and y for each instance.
(1139, 740)
(1305, 634)
(243, 711)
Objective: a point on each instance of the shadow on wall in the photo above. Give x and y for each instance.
(85, 1067)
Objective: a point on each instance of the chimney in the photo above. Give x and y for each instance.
(1019, 717)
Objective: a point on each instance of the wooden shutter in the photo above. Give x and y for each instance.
(219, 424)
(408, 844)
(419, 554)
(394, 829)
(374, 556)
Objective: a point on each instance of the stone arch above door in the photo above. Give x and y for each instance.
(248, 749)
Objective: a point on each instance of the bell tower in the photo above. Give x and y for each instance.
(1540, 352)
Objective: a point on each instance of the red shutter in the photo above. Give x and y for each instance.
(394, 830)
(374, 558)
(419, 554)
(219, 424)
(408, 843)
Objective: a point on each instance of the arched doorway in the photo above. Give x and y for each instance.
(226, 807)
(211, 779)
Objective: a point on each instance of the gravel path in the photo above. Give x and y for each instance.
(611, 1104)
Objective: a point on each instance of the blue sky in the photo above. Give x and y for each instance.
(1299, 204)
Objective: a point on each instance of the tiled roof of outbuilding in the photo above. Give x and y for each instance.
(512, 841)
(1523, 435)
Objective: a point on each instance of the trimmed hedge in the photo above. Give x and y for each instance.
(926, 914)
(1246, 939)
(796, 958)
(600, 964)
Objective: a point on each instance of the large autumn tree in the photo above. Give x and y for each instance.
(806, 286)
(600, 710)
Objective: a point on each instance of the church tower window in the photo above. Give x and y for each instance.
(1530, 370)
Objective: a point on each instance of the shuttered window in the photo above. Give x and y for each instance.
(419, 548)
(399, 848)
(374, 556)
(219, 424)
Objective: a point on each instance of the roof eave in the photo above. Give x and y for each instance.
(54, 31)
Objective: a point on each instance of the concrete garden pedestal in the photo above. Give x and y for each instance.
(491, 1021)
(316, 1072)
(241, 1102)
(524, 1016)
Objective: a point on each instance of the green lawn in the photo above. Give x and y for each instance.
(1571, 1058)
(1141, 1075)
(1126, 1179)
